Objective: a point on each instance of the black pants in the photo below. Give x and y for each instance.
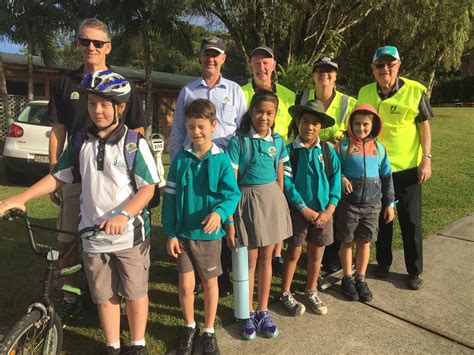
(408, 193)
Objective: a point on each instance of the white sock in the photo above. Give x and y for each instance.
(192, 325)
(138, 342)
(208, 330)
(115, 344)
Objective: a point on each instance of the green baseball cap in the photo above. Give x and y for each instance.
(386, 51)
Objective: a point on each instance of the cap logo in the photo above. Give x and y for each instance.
(213, 40)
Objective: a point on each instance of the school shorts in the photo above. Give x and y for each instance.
(356, 222)
(305, 231)
(123, 273)
(69, 211)
(204, 256)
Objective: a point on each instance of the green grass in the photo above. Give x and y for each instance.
(446, 199)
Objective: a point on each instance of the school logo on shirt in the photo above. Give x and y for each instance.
(354, 150)
(74, 95)
(272, 151)
(131, 147)
(119, 164)
(320, 158)
(226, 99)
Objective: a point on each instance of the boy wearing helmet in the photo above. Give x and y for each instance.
(366, 181)
(118, 264)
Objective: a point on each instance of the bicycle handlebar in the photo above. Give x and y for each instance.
(88, 233)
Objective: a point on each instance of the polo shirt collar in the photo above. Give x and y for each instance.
(255, 135)
(297, 143)
(114, 137)
(213, 151)
(220, 83)
(398, 84)
(255, 87)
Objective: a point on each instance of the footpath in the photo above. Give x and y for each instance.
(437, 319)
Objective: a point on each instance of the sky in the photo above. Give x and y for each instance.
(8, 47)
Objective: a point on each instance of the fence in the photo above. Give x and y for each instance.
(16, 104)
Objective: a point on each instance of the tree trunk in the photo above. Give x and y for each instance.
(4, 92)
(149, 95)
(433, 72)
(30, 73)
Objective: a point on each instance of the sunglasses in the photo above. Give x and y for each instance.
(382, 65)
(85, 42)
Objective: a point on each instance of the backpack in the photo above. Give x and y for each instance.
(344, 151)
(131, 137)
(244, 141)
(328, 168)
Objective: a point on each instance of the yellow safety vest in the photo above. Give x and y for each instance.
(399, 134)
(286, 98)
(340, 109)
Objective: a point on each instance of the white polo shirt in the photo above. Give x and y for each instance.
(106, 186)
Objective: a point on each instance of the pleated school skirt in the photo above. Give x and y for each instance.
(262, 216)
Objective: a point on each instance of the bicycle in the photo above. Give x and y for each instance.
(40, 331)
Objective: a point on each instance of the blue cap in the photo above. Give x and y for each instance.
(213, 42)
(386, 51)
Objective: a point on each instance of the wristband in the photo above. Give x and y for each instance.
(393, 204)
(229, 222)
(123, 212)
(428, 155)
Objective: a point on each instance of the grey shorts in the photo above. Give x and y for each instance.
(204, 256)
(305, 231)
(354, 222)
(69, 211)
(123, 273)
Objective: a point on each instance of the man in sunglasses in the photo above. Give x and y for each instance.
(405, 111)
(67, 109)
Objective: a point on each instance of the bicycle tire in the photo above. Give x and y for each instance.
(27, 336)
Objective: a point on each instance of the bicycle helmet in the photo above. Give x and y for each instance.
(107, 84)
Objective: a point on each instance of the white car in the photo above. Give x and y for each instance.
(26, 144)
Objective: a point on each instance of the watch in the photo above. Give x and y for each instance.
(428, 155)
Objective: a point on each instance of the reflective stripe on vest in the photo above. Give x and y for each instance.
(343, 103)
(399, 134)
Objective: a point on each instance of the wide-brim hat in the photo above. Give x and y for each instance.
(314, 107)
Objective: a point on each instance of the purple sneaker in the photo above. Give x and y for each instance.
(248, 328)
(266, 326)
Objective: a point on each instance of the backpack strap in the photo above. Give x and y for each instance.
(344, 107)
(78, 140)
(328, 169)
(130, 148)
(304, 98)
(245, 142)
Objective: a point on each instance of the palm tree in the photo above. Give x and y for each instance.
(33, 25)
(142, 23)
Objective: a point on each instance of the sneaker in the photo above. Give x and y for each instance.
(68, 310)
(381, 272)
(209, 344)
(135, 350)
(188, 338)
(248, 329)
(277, 265)
(110, 350)
(415, 282)
(315, 302)
(266, 326)
(292, 306)
(365, 295)
(348, 289)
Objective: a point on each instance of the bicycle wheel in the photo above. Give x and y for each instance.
(29, 336)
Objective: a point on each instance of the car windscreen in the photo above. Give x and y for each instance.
(34, 114)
